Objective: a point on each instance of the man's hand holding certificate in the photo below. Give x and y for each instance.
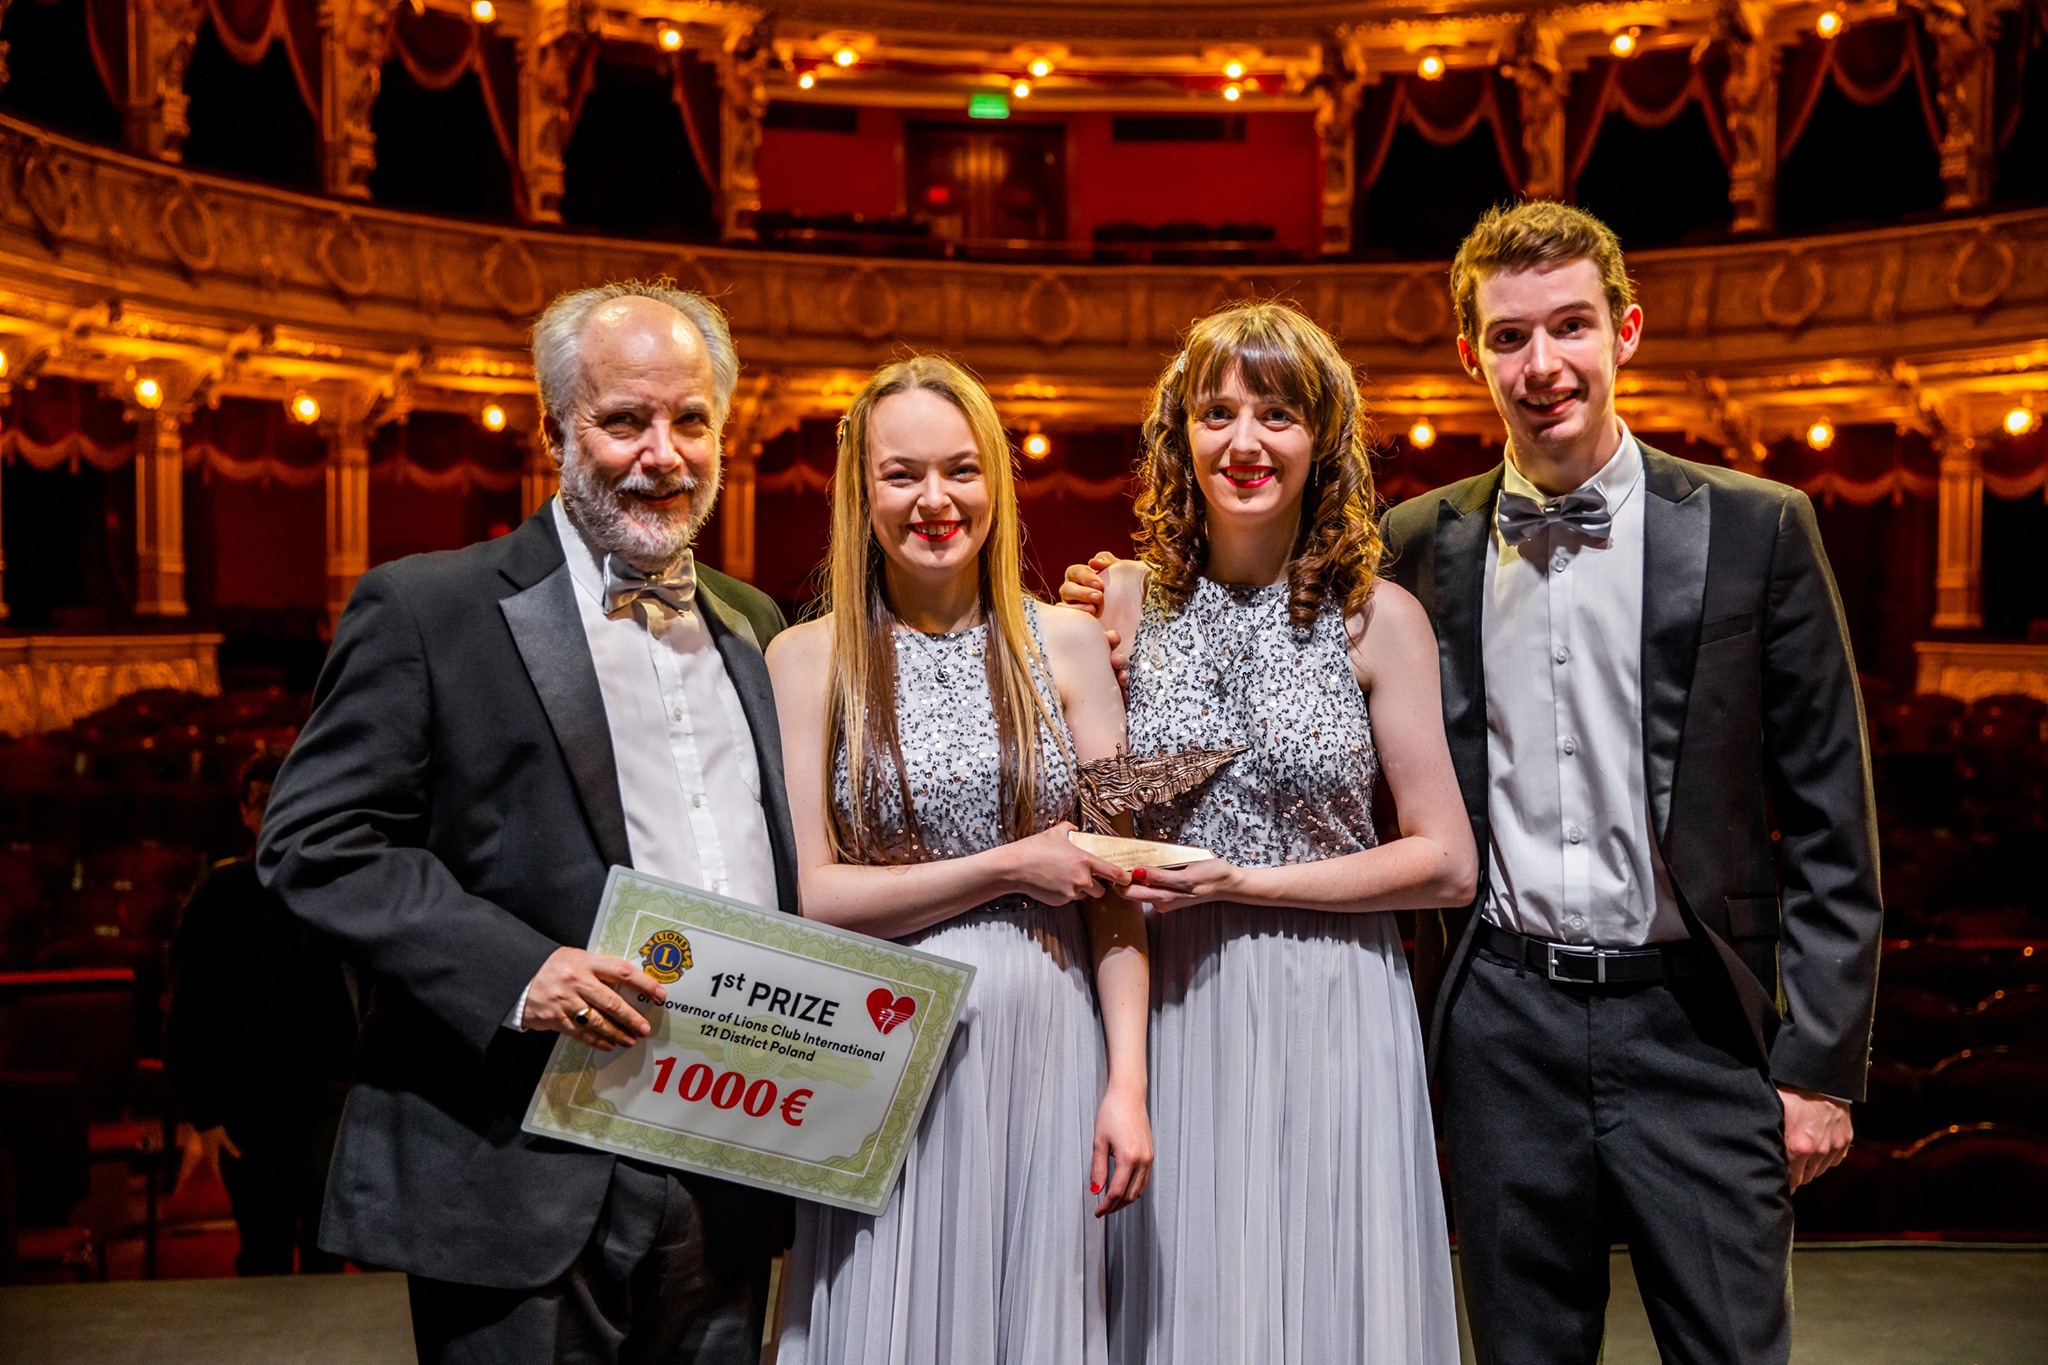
(787, 1054)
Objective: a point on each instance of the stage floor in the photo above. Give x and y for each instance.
(1863, 1305)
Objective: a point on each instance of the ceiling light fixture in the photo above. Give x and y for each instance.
(671, 38)
(1022, 90)
(1041, 68)
(494, 417)
(1821, 434)
(1624, 43)
(806, 80)
(1037, 445)
(1431, 67)
(845, 56)
(305, 409)
(1830, 23)
(149, 393)
(1233, 92)
(483, 11)
(2018, 422)
(1422, 435)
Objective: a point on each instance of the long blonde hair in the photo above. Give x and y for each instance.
(860, 711)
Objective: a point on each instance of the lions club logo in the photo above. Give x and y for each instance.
(666, 956)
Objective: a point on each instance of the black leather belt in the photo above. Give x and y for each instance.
(1590, 966)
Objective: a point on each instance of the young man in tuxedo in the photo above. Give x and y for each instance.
(494, 729)
(1650, 1024)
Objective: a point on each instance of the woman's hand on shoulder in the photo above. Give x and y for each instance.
(1053, 870)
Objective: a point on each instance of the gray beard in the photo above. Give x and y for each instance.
(601, 510)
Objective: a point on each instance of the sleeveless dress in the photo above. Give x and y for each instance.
(1294, 1215)
(989, 1250)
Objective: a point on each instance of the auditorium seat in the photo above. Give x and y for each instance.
(1893, 1107)
(2015, 1017)
(1991, 1085)
(1976, 1180)
(43, 1133)
(1860, 1196)
(1924, 722)
(1917, 1026)
(1963, 974)
(2028, 711)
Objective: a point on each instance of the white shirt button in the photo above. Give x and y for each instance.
(1574, 835)
(1577, 921)
(677, 713)
(1560, 561)
(1562, 655)
(1570, 746)
(697, 801)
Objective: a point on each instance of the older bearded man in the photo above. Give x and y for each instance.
(494, 729)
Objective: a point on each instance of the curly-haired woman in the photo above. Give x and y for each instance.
(1294, 1213)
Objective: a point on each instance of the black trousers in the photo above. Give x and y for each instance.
(1583, 1116)
(665, 1279)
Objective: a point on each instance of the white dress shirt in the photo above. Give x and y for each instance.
(689, 777)
(1571, 855)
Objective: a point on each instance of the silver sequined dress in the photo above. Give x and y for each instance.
(988, 1251)
(1294, 1216)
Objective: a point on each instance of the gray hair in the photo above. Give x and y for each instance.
(558, 341)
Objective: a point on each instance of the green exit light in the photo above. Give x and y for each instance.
(988, 104)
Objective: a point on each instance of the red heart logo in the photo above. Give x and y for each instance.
(887, 1009)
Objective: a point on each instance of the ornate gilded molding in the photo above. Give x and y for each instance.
(109, 260)
(48, 682)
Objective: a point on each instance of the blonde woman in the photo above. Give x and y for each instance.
(1297, 1217)
(931, 723)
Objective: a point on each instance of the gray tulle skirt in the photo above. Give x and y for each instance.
(1295, 1215)
(989, 1250)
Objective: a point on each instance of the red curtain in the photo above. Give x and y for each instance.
(248, 27)
(61, 423)
(694, 86)
(250, 441)
(1444, 111)
(2020, 39)
(437, 50)
(106, 28)
(1649, 90)
(445, 452)
(1867, 62)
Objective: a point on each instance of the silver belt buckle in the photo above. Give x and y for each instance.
(1599, 956)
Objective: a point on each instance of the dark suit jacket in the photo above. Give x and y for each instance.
(448, 814)
(1751, 722)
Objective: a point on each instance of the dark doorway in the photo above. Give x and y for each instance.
(981, 184)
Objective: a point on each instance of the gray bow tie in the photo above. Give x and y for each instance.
(1585, 511)
(624, 584)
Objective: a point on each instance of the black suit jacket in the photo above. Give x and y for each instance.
(449, 814)
(1751, 722)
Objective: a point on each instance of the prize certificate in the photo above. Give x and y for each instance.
(789, 1054)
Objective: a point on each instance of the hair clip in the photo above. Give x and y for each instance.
(1180, 364)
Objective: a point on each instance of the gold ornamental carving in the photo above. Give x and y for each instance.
(189, 229)
(1793, 291)
(50, 190)
(511, 280)
(689, 273)
(1419, 309)
(342, 252)
(867, 304)
(1048, 312)
(1981, 271)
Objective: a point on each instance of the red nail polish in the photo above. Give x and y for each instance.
(1095, 1189)
(1137, 874)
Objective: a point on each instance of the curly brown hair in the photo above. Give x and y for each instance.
(1283, 357)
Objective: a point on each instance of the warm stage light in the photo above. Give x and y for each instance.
(149, 393)
(1022, 90)
(1431, 67)
(494, 417)
(1037, 445)
(1234, 70)
(845, 56)
(3, 364)
(806, 81)
(483, 11)
(1233, 92)
(2018, 422)
(1623, 44)
(1820, 435)
(1829, 24)
(1041, 68)
(306, 409)
(1422, 435)
(671, 38)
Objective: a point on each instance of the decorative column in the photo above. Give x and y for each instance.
(3, 83)
(160, 38)
(1337, 88)
(1750, 96)
(538, 478)
(743, 95)
(547, 67)
(758, 416)
(1962, 55)
(355, 39)
(1959, 553)
(160, 493)
(1540, 87)
(348, 509)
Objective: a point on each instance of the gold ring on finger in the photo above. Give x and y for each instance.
(582, 1017)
